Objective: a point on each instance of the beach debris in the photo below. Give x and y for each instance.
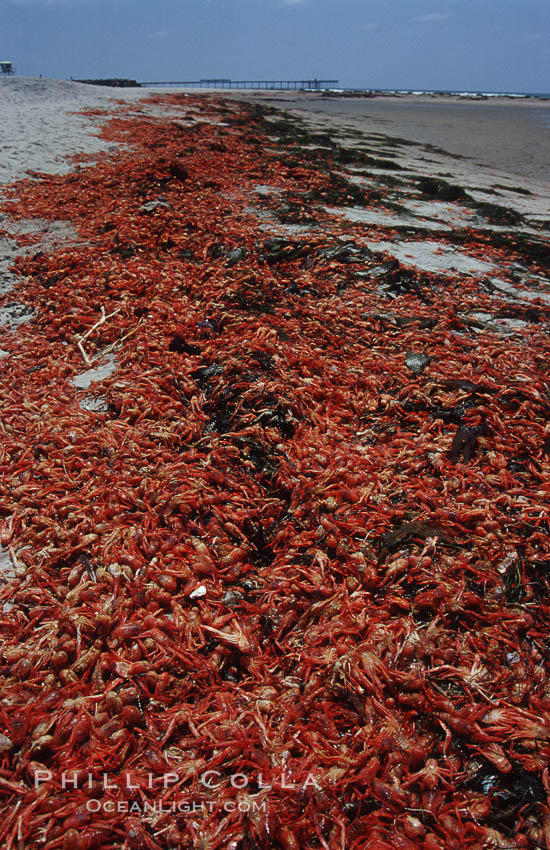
(272, 555)
(89, 332)
(434, 187)
(416, 361)
(153, 206)
(179, 171)
(499, 215)
(277, 250)
(235, 256)
(465, 442)
(180, 345)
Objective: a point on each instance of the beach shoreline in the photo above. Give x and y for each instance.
(504, 133)
(402, 135)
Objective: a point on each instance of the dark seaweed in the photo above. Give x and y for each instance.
(434, 188)
(180, 346)
(509, 791)
(499, 215)
(465, 442)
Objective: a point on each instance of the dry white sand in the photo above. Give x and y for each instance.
(40, 129)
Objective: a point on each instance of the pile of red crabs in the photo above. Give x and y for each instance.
(273, 507)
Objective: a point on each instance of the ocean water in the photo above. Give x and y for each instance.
(457, 93)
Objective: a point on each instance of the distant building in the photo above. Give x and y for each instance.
(7, 68)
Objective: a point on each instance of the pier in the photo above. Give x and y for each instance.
(271, 85)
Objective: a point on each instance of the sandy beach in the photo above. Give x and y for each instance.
(507, 134)
(497, 149)
(274, 470)
(40, 128)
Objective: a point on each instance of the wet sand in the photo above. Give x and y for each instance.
(507, 134)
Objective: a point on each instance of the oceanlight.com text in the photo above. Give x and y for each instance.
(183, 806)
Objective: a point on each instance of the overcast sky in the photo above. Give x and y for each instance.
(495, 45)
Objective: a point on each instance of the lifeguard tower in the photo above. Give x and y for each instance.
(7, 68)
